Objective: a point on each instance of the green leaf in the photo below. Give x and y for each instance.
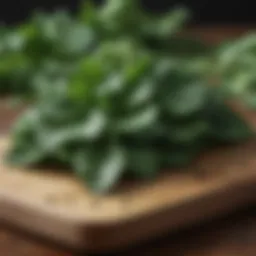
(101, 171)
(111, 170)
(26, 155)
(14, 41)
(144, 162)
(116, 18)
(142, 94)
(77, 40)
(88, 130)
(89, 74)
(164, 68)
(230, 53)
(172, 22)
(139, 121)
(114, 84)
(187, 132)
(187, 100)
(94, 125)
(26, 150)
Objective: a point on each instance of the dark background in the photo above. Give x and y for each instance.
(205, 11)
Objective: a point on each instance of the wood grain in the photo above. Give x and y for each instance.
(234, 235)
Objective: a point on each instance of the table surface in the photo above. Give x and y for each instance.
(233, 235)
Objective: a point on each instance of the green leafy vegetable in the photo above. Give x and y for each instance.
(105, 134)
(116, 92)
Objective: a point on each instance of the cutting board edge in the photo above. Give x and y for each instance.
(103, 237)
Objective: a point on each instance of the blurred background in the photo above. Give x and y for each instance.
(205, 11)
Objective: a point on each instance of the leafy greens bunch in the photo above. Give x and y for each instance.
(46, 41)
(123, 112)
(130, 107)
(60, 40)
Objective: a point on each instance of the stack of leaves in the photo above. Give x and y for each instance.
(54, 40)
(235, 64)
(123, 95)
(157, 33)
(125, 110)
(61, 40)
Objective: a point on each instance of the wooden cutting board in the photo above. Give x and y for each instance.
(55, 205)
